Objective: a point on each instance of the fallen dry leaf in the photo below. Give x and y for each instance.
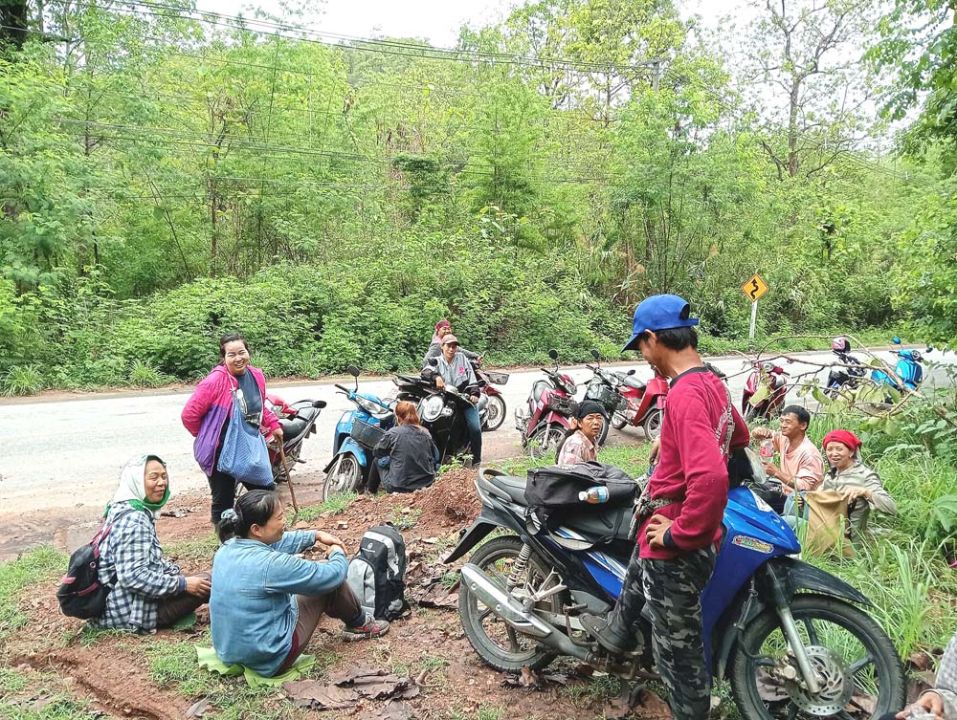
(198, 709)
(394, 711)
(317, 695)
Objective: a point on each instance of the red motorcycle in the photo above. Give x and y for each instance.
(765, 391)
(298, 421)
(548, 416)
(644, 403)
(493, 410)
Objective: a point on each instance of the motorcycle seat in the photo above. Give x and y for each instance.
(633, 382)
(294, 427)
(601, 523)
(539, 388)
(513, 487)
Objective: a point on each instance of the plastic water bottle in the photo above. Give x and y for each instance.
(766, 451)
(594, 495)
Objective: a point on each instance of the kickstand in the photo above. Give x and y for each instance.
(292, 492)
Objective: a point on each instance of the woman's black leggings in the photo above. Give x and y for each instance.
(223, 489)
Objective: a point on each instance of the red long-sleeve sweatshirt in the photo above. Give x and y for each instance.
(692, 467)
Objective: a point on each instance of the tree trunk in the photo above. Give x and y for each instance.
(13, 19)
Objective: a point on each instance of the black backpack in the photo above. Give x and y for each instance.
(81, 594)
(557, 486)
(377, 573)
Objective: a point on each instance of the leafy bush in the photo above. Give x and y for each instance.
(22, 380)
(145, 375)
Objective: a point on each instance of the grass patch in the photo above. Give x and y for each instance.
(633, 459)
(195, 550)
(33, 567)
(335, 505)
(405, 518)
(40, 698)
(12, 681)
(173, 665)
(598, 689)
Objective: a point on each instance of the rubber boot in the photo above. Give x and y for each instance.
(613, 635)
(621, 632)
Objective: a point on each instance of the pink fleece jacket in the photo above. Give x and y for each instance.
(208, 408)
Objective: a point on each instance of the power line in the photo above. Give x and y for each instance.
(387, 47)
(386, 161)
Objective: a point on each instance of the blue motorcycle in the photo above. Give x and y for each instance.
(909, 373)
(357, 433)
(792, 639)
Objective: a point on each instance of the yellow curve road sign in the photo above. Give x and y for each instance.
(754, 288)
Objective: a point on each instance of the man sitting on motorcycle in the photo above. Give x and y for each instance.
(454, 369)
(582, 445)
(681, 510)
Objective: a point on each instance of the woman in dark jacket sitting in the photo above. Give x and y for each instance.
(406, 457)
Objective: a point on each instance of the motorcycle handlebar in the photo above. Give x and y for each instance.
(345, 390)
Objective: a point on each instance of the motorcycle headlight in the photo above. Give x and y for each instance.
(431, 408)
(570, 387)
(369, 406)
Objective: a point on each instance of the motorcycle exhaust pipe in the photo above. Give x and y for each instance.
(510, 610)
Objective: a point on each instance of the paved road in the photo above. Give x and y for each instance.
(57, 455)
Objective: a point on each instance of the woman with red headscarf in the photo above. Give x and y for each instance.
(860, 485)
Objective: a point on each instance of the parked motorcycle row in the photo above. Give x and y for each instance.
(545, 419)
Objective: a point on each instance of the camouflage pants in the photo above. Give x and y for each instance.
(672, 590)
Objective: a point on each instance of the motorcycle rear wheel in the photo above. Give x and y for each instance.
(603, 435)
(344, 476)
(870, 662)
(652, 424)
(496, 642)
(496, 413)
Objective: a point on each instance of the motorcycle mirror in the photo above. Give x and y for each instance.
(433, 362)
(595, 354)
(930, 348)
(553, 354)
(632, 371)
(352, 370)
(896, 340)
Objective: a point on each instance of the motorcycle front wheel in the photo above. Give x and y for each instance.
(495, 413)
(858, 667)
(498, 644)
(344, 476)
(545, 441)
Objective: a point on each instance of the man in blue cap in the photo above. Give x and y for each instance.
(681, 511)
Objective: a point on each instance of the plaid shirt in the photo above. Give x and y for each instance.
(131, 560)
(947, 680)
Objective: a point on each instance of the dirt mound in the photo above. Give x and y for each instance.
(451, 500)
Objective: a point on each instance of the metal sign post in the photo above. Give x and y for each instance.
(754, 289)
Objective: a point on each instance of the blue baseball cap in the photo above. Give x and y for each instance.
(659, 312)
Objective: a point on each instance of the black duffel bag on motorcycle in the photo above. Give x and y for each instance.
(557, 486)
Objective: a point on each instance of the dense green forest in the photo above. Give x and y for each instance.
(167, 175)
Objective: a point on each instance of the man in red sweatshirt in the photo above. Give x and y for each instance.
(681, 511)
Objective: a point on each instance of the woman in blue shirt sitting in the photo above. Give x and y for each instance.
(269, 601)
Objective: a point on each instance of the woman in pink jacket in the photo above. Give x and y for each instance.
(207, 412)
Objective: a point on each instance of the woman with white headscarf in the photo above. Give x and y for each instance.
(148, 591)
